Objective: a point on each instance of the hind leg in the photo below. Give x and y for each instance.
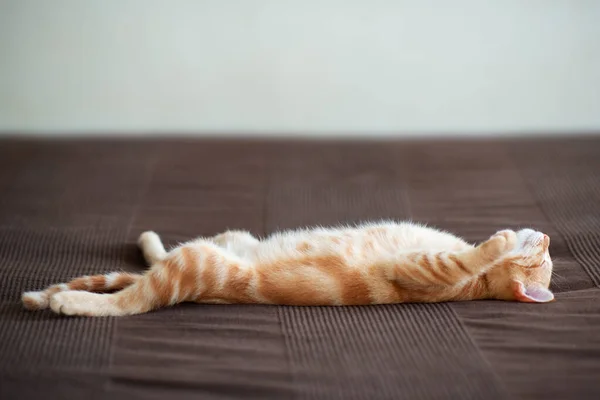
(240, 243)
(150, 245)
(39, 300)
(152, 248)
(235, 241)
(196, 272)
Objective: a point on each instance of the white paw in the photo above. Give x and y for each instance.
(75, 302)
(510, 239)
(66, 303)
(147, 237)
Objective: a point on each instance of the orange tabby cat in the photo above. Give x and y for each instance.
(378, 263)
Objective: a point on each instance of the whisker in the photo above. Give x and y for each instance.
(556, 278)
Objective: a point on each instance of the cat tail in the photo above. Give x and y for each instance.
(38, 300)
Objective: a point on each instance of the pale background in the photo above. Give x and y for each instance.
(314, 67)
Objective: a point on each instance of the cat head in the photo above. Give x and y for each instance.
(524, 272)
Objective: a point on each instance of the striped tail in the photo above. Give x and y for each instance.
(96, 283)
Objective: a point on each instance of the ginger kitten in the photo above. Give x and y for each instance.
(374, 263)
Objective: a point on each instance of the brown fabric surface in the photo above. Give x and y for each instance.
(74, 207)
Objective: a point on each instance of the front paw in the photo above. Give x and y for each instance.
(500, 243)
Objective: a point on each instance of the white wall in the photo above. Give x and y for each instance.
(364, 66)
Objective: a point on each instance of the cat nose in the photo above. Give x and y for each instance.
(546, 241)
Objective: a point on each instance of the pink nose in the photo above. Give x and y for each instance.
(546, 242)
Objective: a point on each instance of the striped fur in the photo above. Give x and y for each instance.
(378, 263)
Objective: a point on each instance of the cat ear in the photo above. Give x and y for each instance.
(531, 294)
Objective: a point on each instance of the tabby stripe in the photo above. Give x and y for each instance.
(425, 261)
(187, 284)
(465, 290)
(209, 278)
(446, 268)
(436, 272)
(441, 264)
(160, 281)
(486, 282)
(412, 257)
(124, 280)
(422, 274)
(459, 264)
(471, 290)
(178, 266)
(78, 284)
(96, 282)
